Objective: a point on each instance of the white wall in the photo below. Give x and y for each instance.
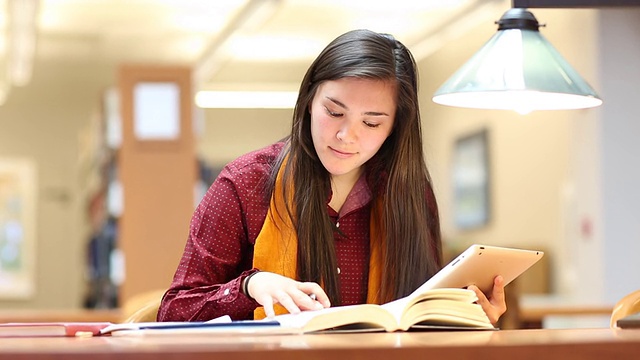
(41, 122)
(229, 133)
(619, 33)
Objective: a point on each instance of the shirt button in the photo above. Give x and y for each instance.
(337, 224)
(226, 292)
(338, 271)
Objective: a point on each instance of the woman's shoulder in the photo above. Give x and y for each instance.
(258, 160)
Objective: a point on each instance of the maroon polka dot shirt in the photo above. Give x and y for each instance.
(219, 251)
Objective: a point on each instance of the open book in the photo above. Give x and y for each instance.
(435, 308)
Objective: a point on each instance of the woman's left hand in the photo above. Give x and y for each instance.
(494, 305)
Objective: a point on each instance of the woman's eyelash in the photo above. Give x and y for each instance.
(331, 113)
(371, 125)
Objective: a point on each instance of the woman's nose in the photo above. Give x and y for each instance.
(346, 133)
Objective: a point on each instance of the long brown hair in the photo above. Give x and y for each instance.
(397, 173)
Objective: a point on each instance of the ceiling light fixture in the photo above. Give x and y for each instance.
(252, 15)
(517, 69)
(22, 40)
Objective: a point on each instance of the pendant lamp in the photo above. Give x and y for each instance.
(517, 69)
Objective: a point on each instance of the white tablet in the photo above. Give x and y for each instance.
(480, 264)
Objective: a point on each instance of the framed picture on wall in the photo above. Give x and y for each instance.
(471, 180)
(17, 228)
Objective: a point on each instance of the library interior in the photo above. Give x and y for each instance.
(95, 201)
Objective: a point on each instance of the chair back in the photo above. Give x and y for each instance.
(630, 304)
(143, 307)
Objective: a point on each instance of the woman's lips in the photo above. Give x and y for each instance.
(341, 154)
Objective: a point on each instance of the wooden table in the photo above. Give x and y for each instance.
(490, 345)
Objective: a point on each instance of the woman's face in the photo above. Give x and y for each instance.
(350, 120)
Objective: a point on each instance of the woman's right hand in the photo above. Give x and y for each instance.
(270, 288)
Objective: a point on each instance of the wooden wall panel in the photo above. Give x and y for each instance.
(158, 179)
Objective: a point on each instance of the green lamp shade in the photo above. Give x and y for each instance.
(517, 69)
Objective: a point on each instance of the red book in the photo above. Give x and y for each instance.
(52, 329)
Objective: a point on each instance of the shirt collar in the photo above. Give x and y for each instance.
(359, 196)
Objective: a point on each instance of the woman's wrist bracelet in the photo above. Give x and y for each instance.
(245, 285)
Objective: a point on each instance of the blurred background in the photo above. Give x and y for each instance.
(564, 182)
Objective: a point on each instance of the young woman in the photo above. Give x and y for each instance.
(343, 208)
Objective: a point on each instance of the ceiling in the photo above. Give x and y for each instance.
(246, 43)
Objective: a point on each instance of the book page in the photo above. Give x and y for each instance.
(397, 307)
(446, 312)
(364, 315)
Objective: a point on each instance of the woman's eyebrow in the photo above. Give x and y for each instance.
(342, 105)
(337, 102)
(375, 113)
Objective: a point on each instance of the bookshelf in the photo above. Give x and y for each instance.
(99, 187)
